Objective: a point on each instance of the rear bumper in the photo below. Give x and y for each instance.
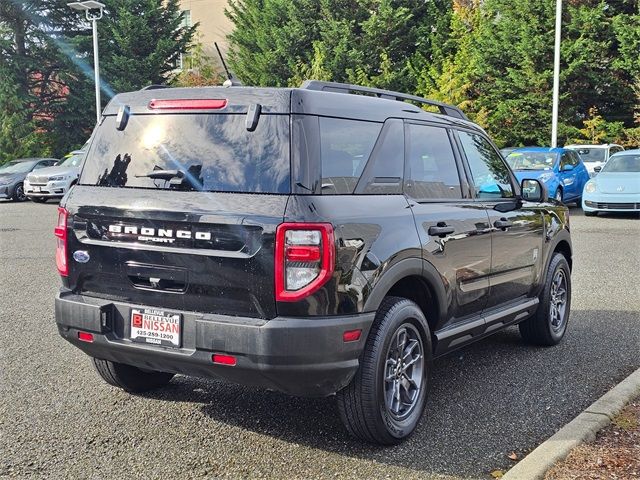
(298, 356)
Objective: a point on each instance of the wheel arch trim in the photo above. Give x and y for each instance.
(407, 268)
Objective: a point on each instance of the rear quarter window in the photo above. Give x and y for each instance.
(345, 147)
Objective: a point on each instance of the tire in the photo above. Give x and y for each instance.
(18, 193)
(367, 404)
(590, 214)
(38, 199)
(130, 379)
(578, 202)
(549, 324)
(558, 195)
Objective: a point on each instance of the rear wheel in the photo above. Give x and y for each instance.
(549, 324)
(385, 400)
(129, 378)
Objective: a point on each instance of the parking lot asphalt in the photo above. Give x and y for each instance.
(59, 420)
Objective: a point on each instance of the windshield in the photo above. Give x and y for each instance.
(531, 160)
(591, 154)
(622, 163)
(72, 161)
(192, 152)
(17, 167)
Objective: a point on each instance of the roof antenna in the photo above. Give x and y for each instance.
(230, 81)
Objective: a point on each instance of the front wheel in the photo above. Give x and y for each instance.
(130, 379)
(18, 193)
(549, 324)
(558, 195)
(385, 400)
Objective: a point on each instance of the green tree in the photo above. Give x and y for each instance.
(372, 42)
(199, 69)
(141, 42)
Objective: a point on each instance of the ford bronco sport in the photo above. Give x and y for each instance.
(327, 239)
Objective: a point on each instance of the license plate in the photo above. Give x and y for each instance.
(157, 327)
(36, 189)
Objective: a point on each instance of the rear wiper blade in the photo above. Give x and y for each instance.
(163, 174)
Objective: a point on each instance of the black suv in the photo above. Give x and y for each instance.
(327, 239)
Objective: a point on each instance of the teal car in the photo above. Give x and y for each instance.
(616, 188)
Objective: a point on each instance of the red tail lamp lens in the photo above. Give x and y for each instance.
(188, 104)
(85, 337)
(223, 359)
(61, 242)
(351, 335)
(304, 259)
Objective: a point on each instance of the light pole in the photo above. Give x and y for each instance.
(93, 13)
(556, 76)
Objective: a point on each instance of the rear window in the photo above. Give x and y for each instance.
(205, 152)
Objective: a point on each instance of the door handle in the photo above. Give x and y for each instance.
(441, 229)
(503, 223)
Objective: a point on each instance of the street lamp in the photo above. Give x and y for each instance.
(556, 76)
(93, 13)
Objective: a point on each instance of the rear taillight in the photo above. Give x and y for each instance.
(61, 247)
(305, 256)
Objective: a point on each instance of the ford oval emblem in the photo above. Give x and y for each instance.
(81, 256)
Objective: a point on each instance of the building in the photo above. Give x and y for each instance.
(214, 25)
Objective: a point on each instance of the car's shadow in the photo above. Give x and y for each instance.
(487, 400)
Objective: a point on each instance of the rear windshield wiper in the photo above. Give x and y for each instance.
(162, 174)
(189, 179)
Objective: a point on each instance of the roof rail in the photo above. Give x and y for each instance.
(154, 87)
(445, 109)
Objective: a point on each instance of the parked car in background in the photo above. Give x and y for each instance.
(595, 155)
(55, 181)
(561, 170)
(14, 173)
(616, 188)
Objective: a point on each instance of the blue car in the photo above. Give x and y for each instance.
(559, 169)
(616, 188)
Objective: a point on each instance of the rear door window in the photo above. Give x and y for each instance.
(345, 148)
(211, 152)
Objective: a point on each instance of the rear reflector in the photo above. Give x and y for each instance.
(351, 335)
(85, 336)
(188, 104)
(223, 359)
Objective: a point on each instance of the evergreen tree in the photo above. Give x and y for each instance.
(141, 42)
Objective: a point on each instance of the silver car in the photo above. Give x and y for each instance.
(54, 182)
(13, 176)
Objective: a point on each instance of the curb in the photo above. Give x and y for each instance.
(581, 429)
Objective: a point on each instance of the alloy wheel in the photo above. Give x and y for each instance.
(558, 301)
(20, 196)
(404, 371)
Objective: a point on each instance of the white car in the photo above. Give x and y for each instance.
(53, 182)
(595, 155)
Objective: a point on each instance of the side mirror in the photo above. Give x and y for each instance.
(597, 169)
(567, 168)
(534, 191)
